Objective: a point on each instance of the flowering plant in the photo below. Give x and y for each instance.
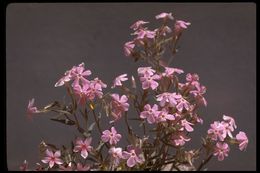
(165, 109)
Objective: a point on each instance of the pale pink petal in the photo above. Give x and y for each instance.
(84, 153)
(131, 162)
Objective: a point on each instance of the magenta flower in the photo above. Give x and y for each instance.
(119, 79)
(119, 105)
(216, 131)
(31, 109)
(128, 48)
(242, 139)
(66, 78)
(170, 71)
(164, 116)
(137, 25)
(52, 158)
(112, 136)
(142, 34)
(182, 103)
(116, 155)
(149, 81)
(179, 139)
(145, 71)
(168, 98)
(79, 75)
(164, 16)
(81, 93)
(187, 125)
(150, 113)
(132, 155)
(24, 166)
(221, 150)
(230, 121)
(94, 90)
(180, 26)
(83, 146)
(99, 82)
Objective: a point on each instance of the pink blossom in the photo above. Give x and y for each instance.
(80, 167)
(31, 109)
(24, 166)
(132, 155)
(242, 139)
(128, 48)
(150, 113)
(116, 154)
(230, 121)
(170, 71)
(180, 26)
(52, 158)
(79, 75)
(164, 116)
(221, 150)
(67, 77)
(99, 82)
(168, 98)
(119, 105)
(216, 131)
(119, 79)
(83, 146)
(164, 16)
(145, 71)
(179, 139)
(182, 103)
(149, 82)
(142, 34)
(81, 93)
(94, 90)
(138, 24)
(187, 125)
(112, 136)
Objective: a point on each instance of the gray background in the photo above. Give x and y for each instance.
(44, 40)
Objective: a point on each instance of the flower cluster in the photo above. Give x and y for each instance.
(165, 109)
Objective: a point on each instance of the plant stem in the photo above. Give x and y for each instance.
(204, 162)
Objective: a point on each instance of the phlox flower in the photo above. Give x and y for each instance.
(83, 147)
(168, 98)
(221, 150)
(180, 26)
(149, 81)
(242, 139)
(150, 113)
(164, 16)
(187, 125)
(164, 116)
(118, 105)
(179, 139)
(145, 71)
(116, 155)
(119, 79)
(138, 24)
(112, 136)
(182, 103)
(217, 130)
(52, 158)
(128, 48)
(133, 156)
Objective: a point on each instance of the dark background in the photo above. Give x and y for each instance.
(44, 40)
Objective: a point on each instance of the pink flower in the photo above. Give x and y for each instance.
(150, 113)
(230, 121)
(187, 125)
(119, 79)
(31, 109)
(221, 150)
(112, 136)
(81, 93)
(132, 155)
(116, 154)
(149, 81)
(179, 139)
(164, 116)
(180, 26)
(99, 82)
(164, 16)
(170, 71)
(142, 34)
(67, 77)
(80, 167)
(119, 105)
(128, 48)
(168, 98)
(137, 25)
(216, 131)
(83, 146)
(79, 75)
(94, 90)
(52, 158)
(182, 103)
(145, 71)
(242, 139)
(24, 166)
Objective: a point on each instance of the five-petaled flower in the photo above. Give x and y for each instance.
(138, 25)
(119, 79)
(133, 156)
(112, 136)
(116, 155)
(150, 113)
(83, 146)
(242, 139)
(164, 16)
(52, 158)
(118, 105)
(221, 150)
(128, 48)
